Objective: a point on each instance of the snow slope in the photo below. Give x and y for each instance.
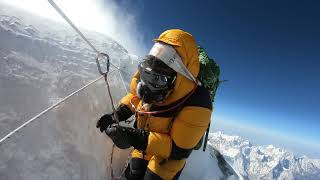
(264, 162)
(208, 165)
(41, 62)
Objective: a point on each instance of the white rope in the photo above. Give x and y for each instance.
(56, 7)
(122, 80)
(48, 109)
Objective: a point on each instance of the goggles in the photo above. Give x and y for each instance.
(155, 81)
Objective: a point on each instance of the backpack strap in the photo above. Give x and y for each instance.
(175, 114)
(200, 98)
(206, 138)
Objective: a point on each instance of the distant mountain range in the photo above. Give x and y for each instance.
(264, 162)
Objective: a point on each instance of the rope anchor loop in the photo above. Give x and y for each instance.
(106, 58)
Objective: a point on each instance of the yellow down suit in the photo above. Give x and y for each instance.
(171, 140)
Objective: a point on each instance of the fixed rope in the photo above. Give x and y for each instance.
(48, 109)
(65, 17)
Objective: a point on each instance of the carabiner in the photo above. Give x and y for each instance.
(107, 61)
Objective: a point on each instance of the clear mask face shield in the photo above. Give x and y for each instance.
(155, 86)
(171, 58)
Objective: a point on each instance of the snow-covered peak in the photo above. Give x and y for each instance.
(228, 145)
(264, 162)
(14, 24)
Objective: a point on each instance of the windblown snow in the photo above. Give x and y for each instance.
(42, 61)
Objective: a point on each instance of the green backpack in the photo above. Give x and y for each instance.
(209, 73)
(209, 77)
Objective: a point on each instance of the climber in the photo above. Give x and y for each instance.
(171, 107)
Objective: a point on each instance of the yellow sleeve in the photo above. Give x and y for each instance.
(189, 126)
(187, 130)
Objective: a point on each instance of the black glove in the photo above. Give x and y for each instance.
(125, 137)
(105, 121)
(123, 113)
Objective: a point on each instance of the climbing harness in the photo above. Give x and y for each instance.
(103, 74)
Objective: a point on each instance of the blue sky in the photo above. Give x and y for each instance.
(268, 50)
